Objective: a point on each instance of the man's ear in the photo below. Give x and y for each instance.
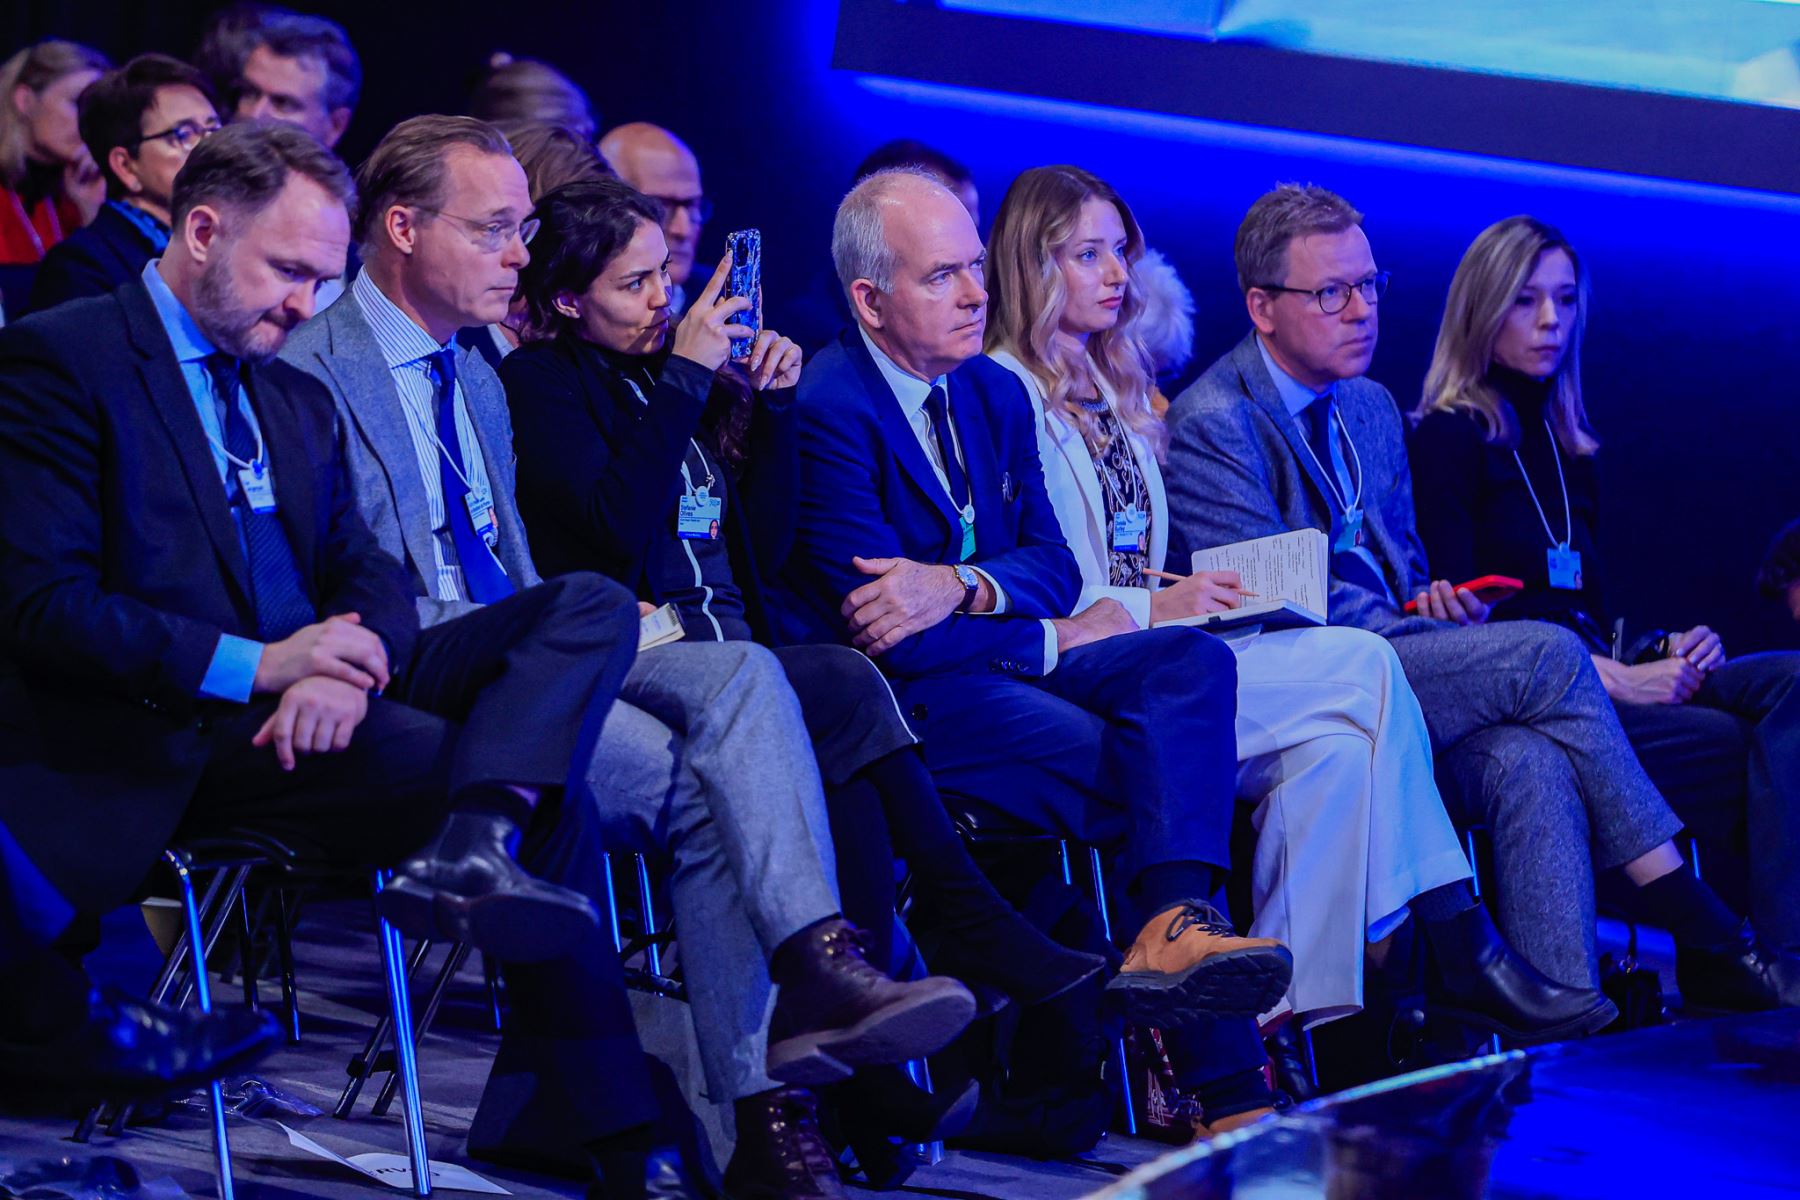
(865, 303)
(1261, 306)
(401, 229)
(199, 229)
(335, 123)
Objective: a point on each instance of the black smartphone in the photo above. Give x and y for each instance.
(744, 278)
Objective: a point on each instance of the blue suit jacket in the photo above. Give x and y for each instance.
(867, 489)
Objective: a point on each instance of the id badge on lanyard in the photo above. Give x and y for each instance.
(1350, 532)
(699, 515)
(258, 485)
(1131, 531)
(1564, 567)
(481, 516)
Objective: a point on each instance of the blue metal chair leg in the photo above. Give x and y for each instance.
(453, 961)
(203, 993)
(393, 965)
(1119, 1055)
(647, 907)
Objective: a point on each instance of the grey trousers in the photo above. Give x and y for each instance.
(1532, 747)
(704, 764)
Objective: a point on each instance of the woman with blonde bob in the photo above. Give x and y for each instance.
(49, 184)
(1504, 483)
(1332, 748)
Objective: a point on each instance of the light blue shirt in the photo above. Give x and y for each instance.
(232, 672)
(1296, 397)
(407, 350)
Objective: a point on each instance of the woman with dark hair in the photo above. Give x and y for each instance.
(638, 442)
(1503, 466)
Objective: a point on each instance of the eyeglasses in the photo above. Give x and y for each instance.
(1335, 297)
(699, 208)
(490, 236)
(183, 137)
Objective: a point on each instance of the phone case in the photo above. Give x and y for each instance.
(744, 278)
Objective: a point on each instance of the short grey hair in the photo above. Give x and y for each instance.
(859, 245)
(1291, 210)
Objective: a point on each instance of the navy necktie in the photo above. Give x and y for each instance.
(482, 576)
(938, 405)
(282, 606)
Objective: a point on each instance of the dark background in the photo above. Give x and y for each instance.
(1691, 353)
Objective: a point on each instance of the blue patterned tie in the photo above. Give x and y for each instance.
(281, 603)
(482, 575)
(938, 405)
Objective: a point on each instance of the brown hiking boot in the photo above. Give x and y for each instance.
(1188, 964)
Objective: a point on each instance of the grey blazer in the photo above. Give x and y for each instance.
(338, 348)
(1238, 469)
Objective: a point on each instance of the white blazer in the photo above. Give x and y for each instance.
(1074, 487)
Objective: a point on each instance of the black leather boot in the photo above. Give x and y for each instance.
(1483, 982)
(881, 1104)
(836, 1013)
(1736, 977)
(1292, 1064)
(780, 1153)
(466, 887)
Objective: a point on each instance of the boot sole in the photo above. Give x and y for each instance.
(911, 1027)
(1592, 1021)
(510, 927)
(1232, 983)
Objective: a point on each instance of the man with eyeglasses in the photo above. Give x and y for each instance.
(1285, 432)
(139, 122)
(660, 165)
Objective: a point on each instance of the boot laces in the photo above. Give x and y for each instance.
(801, 1146)
(1203, 917)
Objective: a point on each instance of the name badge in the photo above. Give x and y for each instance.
(481, 516)
(1350, 533)
(968, 533)
(699, 515)
(1564, 568)
(259, 487)
(1131, 531)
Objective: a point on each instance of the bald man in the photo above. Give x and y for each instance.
(660, 165)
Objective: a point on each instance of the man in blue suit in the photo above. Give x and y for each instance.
(926, 538)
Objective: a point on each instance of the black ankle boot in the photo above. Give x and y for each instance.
(1735, 977)
(466, 887)
(835, 1012)
(780, 1153)
(882, 1115)
(1483, 982)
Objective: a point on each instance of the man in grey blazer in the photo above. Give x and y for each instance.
(704, 759)
(1284, 432)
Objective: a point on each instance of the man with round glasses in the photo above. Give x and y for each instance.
(1285, 432)
(140, 121)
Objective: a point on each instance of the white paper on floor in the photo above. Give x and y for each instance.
(395, 1170)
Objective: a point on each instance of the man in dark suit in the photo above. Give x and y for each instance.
(926, 538)
(139, 122)
(1286, 432)
(202, 634)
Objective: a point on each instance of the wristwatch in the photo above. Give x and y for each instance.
(971, 584)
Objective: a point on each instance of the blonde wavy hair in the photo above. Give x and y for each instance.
(1497, 265)
(1027, 296)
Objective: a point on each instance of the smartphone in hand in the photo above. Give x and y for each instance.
(744, 278)
(1489, 589)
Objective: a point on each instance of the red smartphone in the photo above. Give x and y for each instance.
(1489, 589)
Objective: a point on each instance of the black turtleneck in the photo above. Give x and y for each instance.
(1476, 516)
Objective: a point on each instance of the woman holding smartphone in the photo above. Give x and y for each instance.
(1504, 480)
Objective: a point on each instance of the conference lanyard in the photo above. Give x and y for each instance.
(1562, 564)
(1352, 535)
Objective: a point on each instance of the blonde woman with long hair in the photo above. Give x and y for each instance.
(1504, 482)
(49, 185)
(1332, 748)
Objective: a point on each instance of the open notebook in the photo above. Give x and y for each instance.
(1289, 572)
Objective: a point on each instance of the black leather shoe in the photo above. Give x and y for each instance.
(836, 1013)
(1293, 1069)
(1734, 978)
(466, 887)
(780, 1153)
(881, 1104)
(126, 1049)
(1483, 982)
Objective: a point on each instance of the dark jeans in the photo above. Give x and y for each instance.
(1728, 762)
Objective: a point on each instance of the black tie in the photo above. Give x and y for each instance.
(281, 603)
(938, 405)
